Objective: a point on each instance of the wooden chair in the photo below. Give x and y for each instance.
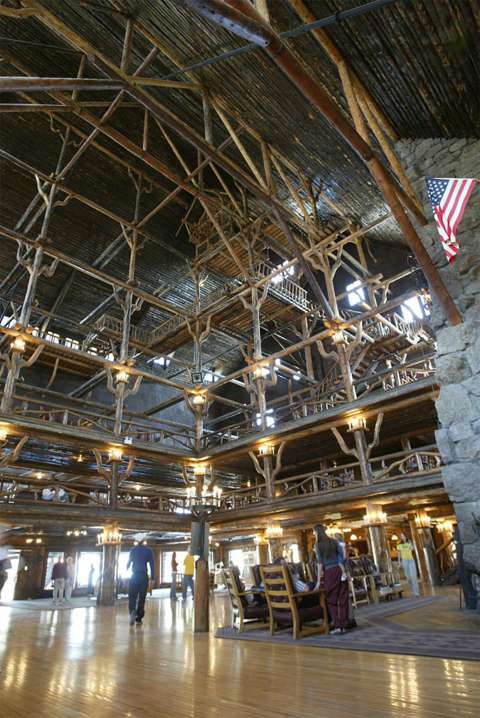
(285, 605)
(250, 615)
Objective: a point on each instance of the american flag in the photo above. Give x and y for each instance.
(449, 197)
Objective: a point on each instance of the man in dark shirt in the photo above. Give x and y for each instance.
(140, 557)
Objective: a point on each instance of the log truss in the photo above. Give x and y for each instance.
(272, 251)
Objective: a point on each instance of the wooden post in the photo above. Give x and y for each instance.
(202, 597)
(107, 592)
(379, 545)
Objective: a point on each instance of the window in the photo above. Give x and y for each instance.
(167, 564)
(7, 321)
(210, 377)
(72, 343)
(414, 308)
(87, 560)
(164, 360)
(289, 271)
(356, 293)
(269, 419)
(242, 558)
(52, 337)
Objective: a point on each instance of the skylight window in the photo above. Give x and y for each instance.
(355, 293)
(7, 321)
(414, 308)
(289, 271)
(163, 360)
(269, 419)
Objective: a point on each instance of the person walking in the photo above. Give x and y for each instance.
(188, 572)
(331, 567)
(70, 579)
(140, 558)
(173, 587)
(91, 573)
(59, 576)
(5, 565)
(407, 561)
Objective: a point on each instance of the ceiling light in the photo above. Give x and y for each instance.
(122, 376)
(199, 399)
(19, 344)
(274, 531)
(357, 422)
(261, 372)
(266, 449)
(115, 453)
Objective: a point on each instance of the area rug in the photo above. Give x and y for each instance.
(377, 633)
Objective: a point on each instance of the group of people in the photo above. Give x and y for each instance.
(330, 556)
(63, 578)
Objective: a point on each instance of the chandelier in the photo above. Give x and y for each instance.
(202, 497)
(110, 536)
(273, 531)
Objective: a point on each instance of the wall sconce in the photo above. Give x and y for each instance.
(38, 540)
(261, 372)
(199, 399)
(110, 536)
(29, 540)
(122, 376)
(80, 459)
(357, 422)
(19, 344)
(273, 531)
(375, 516)
(423, 520)
(353, 537)
(115, 453)
(266, 449)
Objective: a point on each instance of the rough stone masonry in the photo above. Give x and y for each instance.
(458, 360)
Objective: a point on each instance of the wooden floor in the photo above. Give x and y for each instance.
(89, 662)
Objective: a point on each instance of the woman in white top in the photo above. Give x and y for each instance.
(69, 581)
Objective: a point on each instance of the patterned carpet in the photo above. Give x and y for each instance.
(378, 632)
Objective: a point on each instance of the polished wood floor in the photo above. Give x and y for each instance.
(88, 662)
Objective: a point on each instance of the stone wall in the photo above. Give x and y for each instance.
(458, 405)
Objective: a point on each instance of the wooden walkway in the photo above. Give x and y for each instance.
(88, 662)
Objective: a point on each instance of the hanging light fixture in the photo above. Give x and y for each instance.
(375, 516)
(266, 449)
(199, 399)
(273, 531)
(423, 520)
(122, 376)
(261, 371)
(357, 422)
(3, 433)
(19, 344)
(203, 498)
(110, 536)
(115, 453)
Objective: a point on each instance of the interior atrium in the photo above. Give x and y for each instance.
(227, 318)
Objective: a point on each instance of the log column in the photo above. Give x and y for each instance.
(107, 591)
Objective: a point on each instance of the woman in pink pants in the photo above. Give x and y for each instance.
(331, 567)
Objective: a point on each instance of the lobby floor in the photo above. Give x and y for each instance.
(88, 662)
